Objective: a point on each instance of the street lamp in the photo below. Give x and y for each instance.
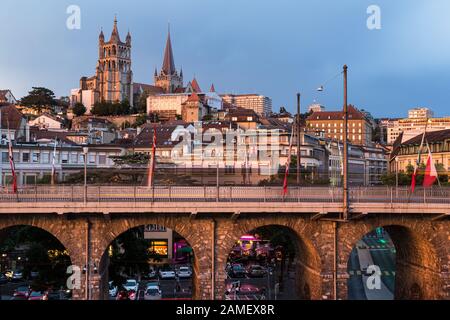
(85, 153)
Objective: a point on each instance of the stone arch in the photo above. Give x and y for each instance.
(308, 262)
(197, 237)
(420, 254)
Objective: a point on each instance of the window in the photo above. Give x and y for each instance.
(36, 156)
(16, 156)
(73, 157)
(102, 159)
(234, 119)
(65, 157)
(5, 157)
(45, 157)
(249, 118)
(25, 157)
(91, 158)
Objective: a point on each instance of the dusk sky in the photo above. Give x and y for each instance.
(274, 48)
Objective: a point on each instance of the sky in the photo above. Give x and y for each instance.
(274, 48)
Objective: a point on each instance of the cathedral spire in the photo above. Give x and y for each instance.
(115, 32)
(168, 66)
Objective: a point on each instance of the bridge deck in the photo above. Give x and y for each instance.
(312, 200)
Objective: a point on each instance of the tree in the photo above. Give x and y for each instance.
(39, 98)
(111, 109)
(140, 120)
(79, 109)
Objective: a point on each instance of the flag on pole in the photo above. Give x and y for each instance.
(151, 168)
(288, 164)
(53, 163)
(419, 160)
(431, 174)
(11, 162)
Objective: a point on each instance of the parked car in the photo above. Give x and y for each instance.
(9, 274)
(17, 276)
(36, 295)
(122, 295)
(133, 294)
(131, 284)
(237, 271)
(22, 291)
(152, 274)
(256, 271)
(167, 273)
(152, 293)
(184, 272)
(112, 289)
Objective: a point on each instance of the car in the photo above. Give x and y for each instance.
(9, 274)
(112, 289)
(152, 274)
(256, 271)
(22, 291)
(17, 276)
(18, 298)
(3, 279)
(184, 272)
(132, 294)
(237, 271)
(36, 295)
(152, 293)
(122, 295)
(131, 284)
(167, 274)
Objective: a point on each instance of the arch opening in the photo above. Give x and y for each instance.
(148, 262)
(33, 265)
(393, 263)
(272, 262)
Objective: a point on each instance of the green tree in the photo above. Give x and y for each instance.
(79, 109)
(39, 98)
(140, 120)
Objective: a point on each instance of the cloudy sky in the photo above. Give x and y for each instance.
(275, 48)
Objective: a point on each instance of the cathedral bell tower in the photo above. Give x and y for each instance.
(114, 76)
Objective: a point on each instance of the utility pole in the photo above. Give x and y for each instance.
(345, 142)
(298, 140)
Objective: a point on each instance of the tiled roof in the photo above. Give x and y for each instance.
(11, 116)
(148, 88)
(163, 136)
(353, 114)
(431, 137)
(195, 86)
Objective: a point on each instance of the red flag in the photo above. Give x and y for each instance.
(431, 173)
(419, 154)
(151, 168)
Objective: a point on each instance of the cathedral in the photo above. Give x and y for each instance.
(113, 77)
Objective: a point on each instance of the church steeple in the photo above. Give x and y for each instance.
(115, 31)
(168, 66)
(169, 79)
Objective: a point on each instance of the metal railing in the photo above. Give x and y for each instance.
(75, 193)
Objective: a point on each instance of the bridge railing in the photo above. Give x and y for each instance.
(75, 193)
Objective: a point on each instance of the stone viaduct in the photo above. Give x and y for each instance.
(420, 232)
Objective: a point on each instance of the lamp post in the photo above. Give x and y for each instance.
(85, 153)
(345, 145)
(298, 139)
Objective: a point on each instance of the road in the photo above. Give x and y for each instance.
(372, 251)
(167, 288)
